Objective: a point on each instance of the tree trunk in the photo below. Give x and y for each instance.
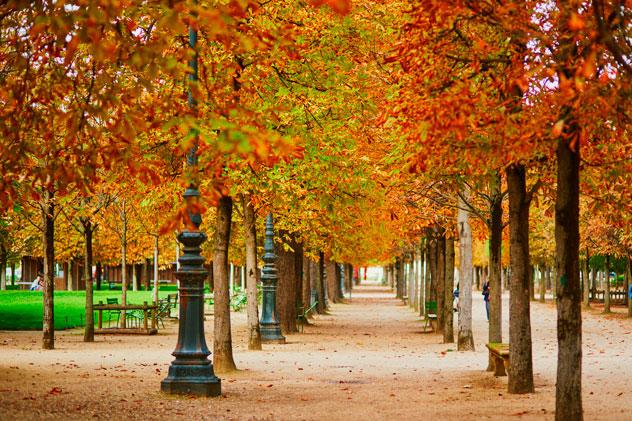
(306, 283)
(606, 290)
(156, 283)
(144, 274)
(321, 287)
(3, 269)
(288, 286)
(520, 352)
(134, 278)
(423, 277)
(48, 241)
(123, 262)
(542, 283)
(448, 311)
(332, 282)
(532, 276)
(495, 262)
(440, 281)
(348, 277)
(252, 274)
(628, 273)
(99, 275)
(465, 340)
(586, 284)
(411, 280)
(88, 334)
(432, 259)
(223, 361)
(71, 274)
(568, 399)
(339, 281)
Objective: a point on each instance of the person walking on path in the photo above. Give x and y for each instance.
(455, 303)
(486, 297)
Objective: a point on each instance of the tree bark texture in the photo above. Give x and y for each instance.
(448, 311)
(606, 290)
(88, 334)
(222, 340)
(531, 282)
(423, 277)
(568, 399)
(586, 284)
(306, 284)
(628, 271)
(440, 281)
(333, 285)
(520, 351)
(252, 274)
(48, 241)
(289, 286)
(319, 279)
(495, 262)
(542, 283)
(123, 215)
(411, 280)
(465, 341)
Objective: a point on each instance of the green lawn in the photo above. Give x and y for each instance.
(22, 310)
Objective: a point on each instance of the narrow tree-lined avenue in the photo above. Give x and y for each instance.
(367, 358)
(297, 182)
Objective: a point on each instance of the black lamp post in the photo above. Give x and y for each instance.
(191, 372)
(269, 323)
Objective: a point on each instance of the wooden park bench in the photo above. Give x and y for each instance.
(136, 314)
(499, 354)
(302, 314)
(431, 315)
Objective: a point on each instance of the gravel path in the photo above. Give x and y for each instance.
(367, 359)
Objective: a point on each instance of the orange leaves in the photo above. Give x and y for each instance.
(576, 22)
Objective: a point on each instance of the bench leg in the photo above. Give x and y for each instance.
(499, 367)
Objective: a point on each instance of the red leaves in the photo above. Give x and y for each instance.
(342, 7)
(55, 391)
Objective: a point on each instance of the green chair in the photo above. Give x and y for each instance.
(163, 311)
(431, 313)
(112, 313)
(302, 314)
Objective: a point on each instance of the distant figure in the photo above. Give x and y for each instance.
(486, 297)
(456, 303)
(630, 292)
(38, 283)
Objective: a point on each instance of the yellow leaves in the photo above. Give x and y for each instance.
(558, 128)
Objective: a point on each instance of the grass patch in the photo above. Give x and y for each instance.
(23, 310)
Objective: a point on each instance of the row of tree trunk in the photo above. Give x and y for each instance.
(300, 280)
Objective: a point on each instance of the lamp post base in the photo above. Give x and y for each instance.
(271, 335)
(273, 341)
(197, 380)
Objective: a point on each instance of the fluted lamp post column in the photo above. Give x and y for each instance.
(191, 372)
(269, 323)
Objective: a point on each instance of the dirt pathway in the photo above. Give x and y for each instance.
(366, 360)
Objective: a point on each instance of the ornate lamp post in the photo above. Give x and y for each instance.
(269, 323)
(191, 372)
